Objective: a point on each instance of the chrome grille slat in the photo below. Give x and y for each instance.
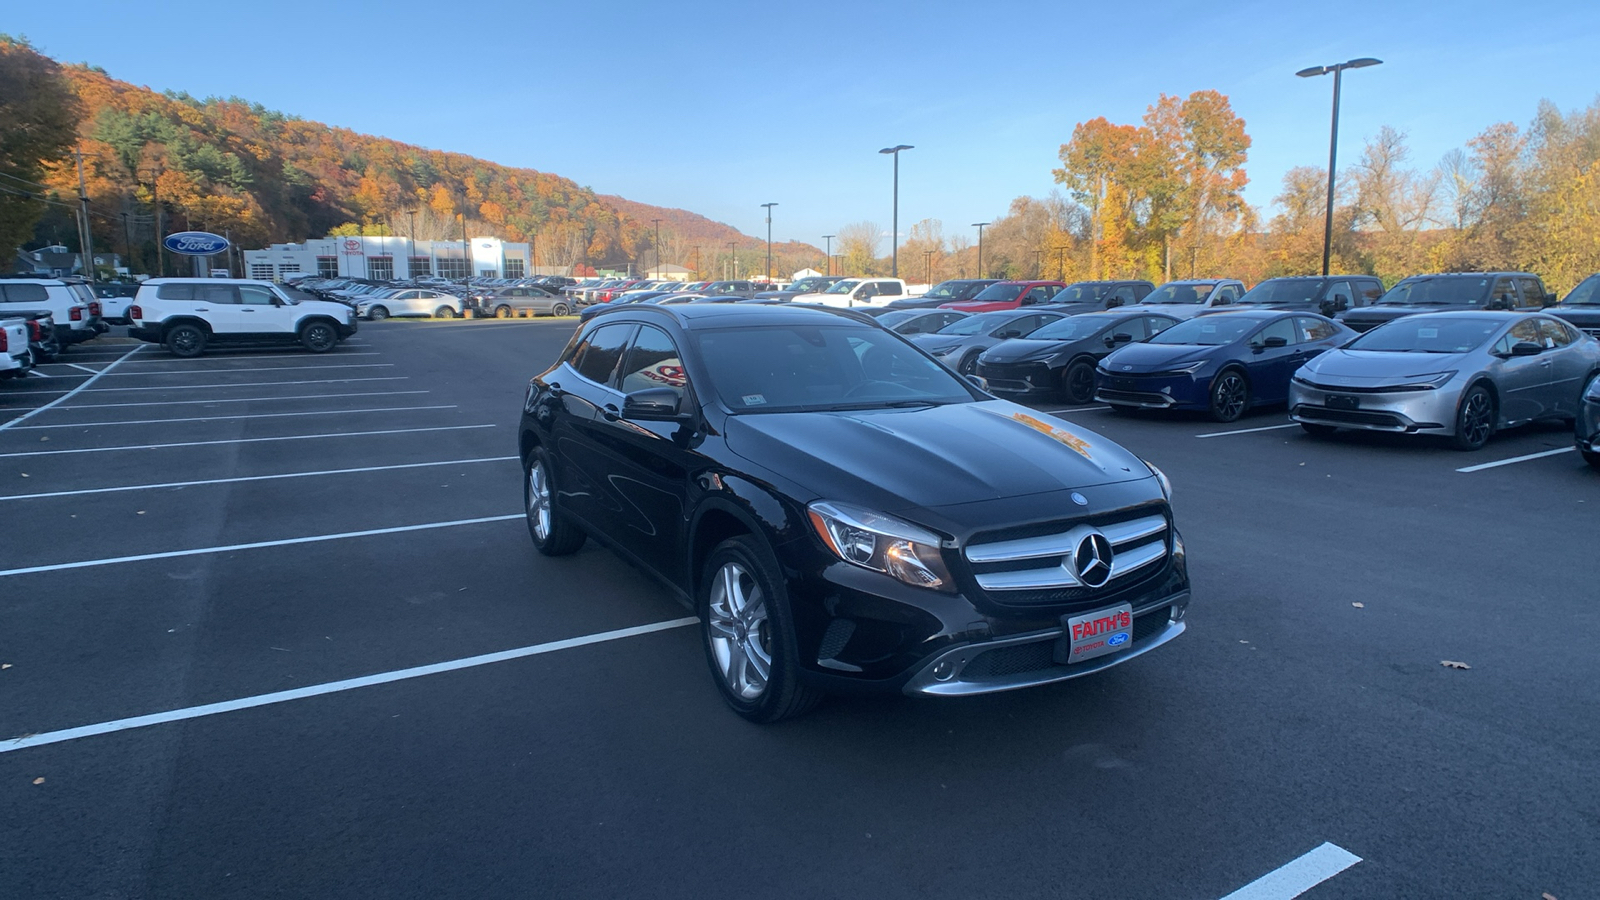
(1137, 558)
(1063, 543)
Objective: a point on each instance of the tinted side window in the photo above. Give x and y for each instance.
(1503, 293)
(1369, 291)
(1283, 328)
(888, 288)
(217, 293)
(1314, 329)
(1554, 334)
(1532, 292)
(653, 362)
(175, 292)
(1123, 295)
(251, 295)
(25, 293)
(1157, 324)
(597, 356)
(1339, 296)
(1138, 329)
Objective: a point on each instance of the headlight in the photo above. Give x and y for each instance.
(941, 351)
(1161, 479)
(1297, 379)
(878, 542)
(1426, 382)
(1190, 369)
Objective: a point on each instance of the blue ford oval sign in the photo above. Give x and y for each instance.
(1117, 639)
(195, 243)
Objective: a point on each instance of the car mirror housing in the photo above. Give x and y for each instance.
(1122, 337)
(1526, 348)
(979, 382)
(652, 405)
(1275, 341)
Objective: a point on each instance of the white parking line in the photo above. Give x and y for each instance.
(92, 379)
(242, 399)
(1299, 875)
(315, 412)
(255, 545)
(334, 687)
(260, 440)
(1515, 459)
(183, 484)
(38, 374)
(1247, 430)
(214, 358)
(235, 384)
(89, 370)
(262, 369)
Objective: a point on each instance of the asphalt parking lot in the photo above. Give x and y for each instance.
(272, 626)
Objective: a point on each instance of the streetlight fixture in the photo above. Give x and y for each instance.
(768, 207)
(980, 226)
(1333, 140)
(827, 253)
(894, 237)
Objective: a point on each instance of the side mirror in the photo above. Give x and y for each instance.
(979, 382)
(1009, 334)
(652, 405)
(1275, 341)
(1114, 302)
(1122, 337)
(1526, 348)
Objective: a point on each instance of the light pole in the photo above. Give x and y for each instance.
(1038, 263)
(768, 207)
(894, 236)
(979, 226)
(827, 253)
(411, 249)
(733, 263)
(927, 262)
(659, 273)
(1333, 139)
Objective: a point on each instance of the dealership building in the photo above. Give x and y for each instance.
(388, 258)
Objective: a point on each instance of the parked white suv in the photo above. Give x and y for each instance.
(73, 305)
(187, 314)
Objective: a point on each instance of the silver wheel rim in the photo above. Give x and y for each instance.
(740, 633)
(380, 313)
(1230, 396)
(539, 501)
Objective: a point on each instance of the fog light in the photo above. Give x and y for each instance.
(943, 670)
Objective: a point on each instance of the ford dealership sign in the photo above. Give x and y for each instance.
(195, 243)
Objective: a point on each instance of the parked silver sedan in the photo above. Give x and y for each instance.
(1589, 422)
(1463, 375)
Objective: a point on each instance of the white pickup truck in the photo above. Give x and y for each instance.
(863, 292)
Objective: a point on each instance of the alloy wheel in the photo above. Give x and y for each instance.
(1229, 397)
(1477, 418)
(539, 501)
(740, 632)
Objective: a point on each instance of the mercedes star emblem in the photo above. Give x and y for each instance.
(1092, 559)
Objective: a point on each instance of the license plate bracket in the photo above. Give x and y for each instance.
(1091, 634)
(1344, 401)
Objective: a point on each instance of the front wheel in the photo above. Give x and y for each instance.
(444, 312)
(561, 309)
(749, 633)
(968, 364)
(378, 313)
(187, 341)
(1077, 382)
(1474, 419)
(502, 312)
(319, 337)
(553, 534)
(1230, 396)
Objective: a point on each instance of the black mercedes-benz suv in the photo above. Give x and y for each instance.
(844, 513)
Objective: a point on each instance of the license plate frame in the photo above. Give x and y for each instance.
(1094, 634)
(1344, 401)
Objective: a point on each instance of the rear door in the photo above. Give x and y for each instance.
(1569, 367)
(219, 305)
(1523, 381)
(588, 395)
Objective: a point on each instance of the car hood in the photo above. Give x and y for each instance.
(932, 342)
(1383, 312)
(1588, 315)
(1024, 350)
(935, 456)
(1357, 368)
(1156, 357)
(323, 306)
(1175, 310)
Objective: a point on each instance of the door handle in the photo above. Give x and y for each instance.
(247, 309)
(611, 412)
(202, 309)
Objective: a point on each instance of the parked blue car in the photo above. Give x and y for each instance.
(1223, 363)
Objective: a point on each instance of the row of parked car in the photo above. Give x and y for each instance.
(39, 317)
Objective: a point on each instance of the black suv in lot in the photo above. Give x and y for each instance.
(1451, 292)
(844, 513)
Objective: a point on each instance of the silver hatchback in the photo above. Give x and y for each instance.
(1463, 375)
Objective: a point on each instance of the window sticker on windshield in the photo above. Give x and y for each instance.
(1208, 329)
(754, 399)
(1428, 332)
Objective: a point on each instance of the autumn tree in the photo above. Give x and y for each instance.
(39, 117)
(858, 243)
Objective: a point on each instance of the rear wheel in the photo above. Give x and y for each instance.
(561, 309)
(318, 337)
(378, 313)
(1077, 382)
(553, 534)
(502, 312)
(444, 312)
(1474, 419)
(186, 340)
(1230, 396)
(749, 633)
(1320, 431)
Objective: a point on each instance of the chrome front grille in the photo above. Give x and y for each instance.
(1053, 561)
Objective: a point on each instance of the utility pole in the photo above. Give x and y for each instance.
(466, 251)
(1061, 264)
(1038, 263)
(127, 245)
(768, 273)
(1333, 140)
(979, 226)
(411, 248)
(894, 236)
(927, 260)
(696, 272)
(733, 264)
(827, 254)
(155, 203)
(659, 273)
(535, 253)
(85, 240)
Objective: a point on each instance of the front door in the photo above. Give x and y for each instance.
(1270, 367)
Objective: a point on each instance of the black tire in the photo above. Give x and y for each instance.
(561, 309)
(319, 337)
(1230, 395)
(765, 632)
(444, 312)
(1077, 381)
(553, 533)
(1591, 457)
(968, 364)
(185, 340)
(378, 313)
(1318, 431)
(502, 312)
(1475, 418)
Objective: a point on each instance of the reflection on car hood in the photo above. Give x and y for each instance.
(934, 456)
(1023, 349)
(1156, 357)
(1360, 367)
(932, 342)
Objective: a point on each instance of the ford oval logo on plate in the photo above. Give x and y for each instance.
(195, 243)
(1079, 499)
(1117, 640)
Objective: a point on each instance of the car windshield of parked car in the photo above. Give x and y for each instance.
(977, 324)
(295, 295)
(1080, 293)
(1071, 328)
(842, 287)
(1586, 293)
(1428, 335)
(1208, 331)
(1282, 290)
(1179, 293)
(944, 290)
(896, 316)
(999, 293)
(789, 368)
(1438, 291)
(805, 285)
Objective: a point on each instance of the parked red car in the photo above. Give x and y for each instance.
(1009, 295)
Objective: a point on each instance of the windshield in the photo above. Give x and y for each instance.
(977, 324)
(1208, 331)
(999, 292)
(946, 290)
(1283, 290)
(822, 367)
(1427, 334)
(1083, 292)
(843, 287)
(895, 317)
(1469, 289)
(1585, 294)
(1072, 328)
(1179, 293)
(805, 285)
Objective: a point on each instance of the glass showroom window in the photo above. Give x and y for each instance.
(452, 267)
(327, 267)
(419, 265)
(261, 271)
(380, 268)
(514, 268)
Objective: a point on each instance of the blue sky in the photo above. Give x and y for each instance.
(718, 107)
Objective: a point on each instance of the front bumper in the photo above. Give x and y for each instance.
(1409, 412)
(1035, 379)
(1157, 391)
(346, 329)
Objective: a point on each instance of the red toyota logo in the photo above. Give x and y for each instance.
(352, 246)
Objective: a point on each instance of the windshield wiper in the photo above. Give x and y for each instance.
(878, 404)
